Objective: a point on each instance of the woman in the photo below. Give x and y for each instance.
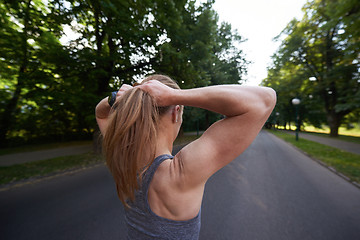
(162, 194)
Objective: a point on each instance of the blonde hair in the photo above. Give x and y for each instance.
(130, 137)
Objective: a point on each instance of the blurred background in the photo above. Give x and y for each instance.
(58, 58)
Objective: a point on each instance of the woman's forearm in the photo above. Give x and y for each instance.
(102, 109)
(229, 100)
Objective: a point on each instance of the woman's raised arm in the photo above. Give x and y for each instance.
(246, 109)
(102, 109)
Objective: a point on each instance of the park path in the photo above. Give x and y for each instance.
(23, 157)
(18, 158)
(336, 143)
(272, 191)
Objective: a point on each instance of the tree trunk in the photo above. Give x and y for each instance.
(207, 122)
(97, 141)
(7, 117)
(334, 121)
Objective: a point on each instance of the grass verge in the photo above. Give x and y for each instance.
(41, 168)
(38, 147)
(342, 130)
(344, 162)
(37, 169)
(347, 138)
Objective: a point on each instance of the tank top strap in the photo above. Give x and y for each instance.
(142, 223)
(152, 169)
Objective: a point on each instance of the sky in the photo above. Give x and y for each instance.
(259, 21)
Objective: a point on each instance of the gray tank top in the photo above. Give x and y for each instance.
(143, 223)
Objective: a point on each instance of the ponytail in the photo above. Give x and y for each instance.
(130, 138)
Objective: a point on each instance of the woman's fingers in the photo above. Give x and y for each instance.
(123, 89)
(159, 91)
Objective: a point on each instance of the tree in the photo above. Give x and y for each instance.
(49, 89)
(322, 54)
(28, 36)
(288, 83)
(199, 52)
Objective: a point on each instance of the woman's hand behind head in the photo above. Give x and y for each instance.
(123, 89)
(162, 94)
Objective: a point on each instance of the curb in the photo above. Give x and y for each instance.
(321, 163)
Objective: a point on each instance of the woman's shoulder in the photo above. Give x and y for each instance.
(167, 196)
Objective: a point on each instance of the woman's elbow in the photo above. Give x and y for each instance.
(269, 100)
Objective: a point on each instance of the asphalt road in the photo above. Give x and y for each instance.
(271, 191)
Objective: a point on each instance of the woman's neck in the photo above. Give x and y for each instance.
(166, 134)
(164, 144)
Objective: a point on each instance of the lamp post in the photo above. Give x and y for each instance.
(277, 119)
(296, 103)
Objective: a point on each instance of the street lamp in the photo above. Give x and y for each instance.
(277, 119)
(296, 103)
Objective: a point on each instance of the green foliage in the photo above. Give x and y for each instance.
(29, 55)
(199, 52)
(43, 168)
(49, 89)
(318, 61)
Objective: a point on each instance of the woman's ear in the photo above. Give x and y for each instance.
(176, 113)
